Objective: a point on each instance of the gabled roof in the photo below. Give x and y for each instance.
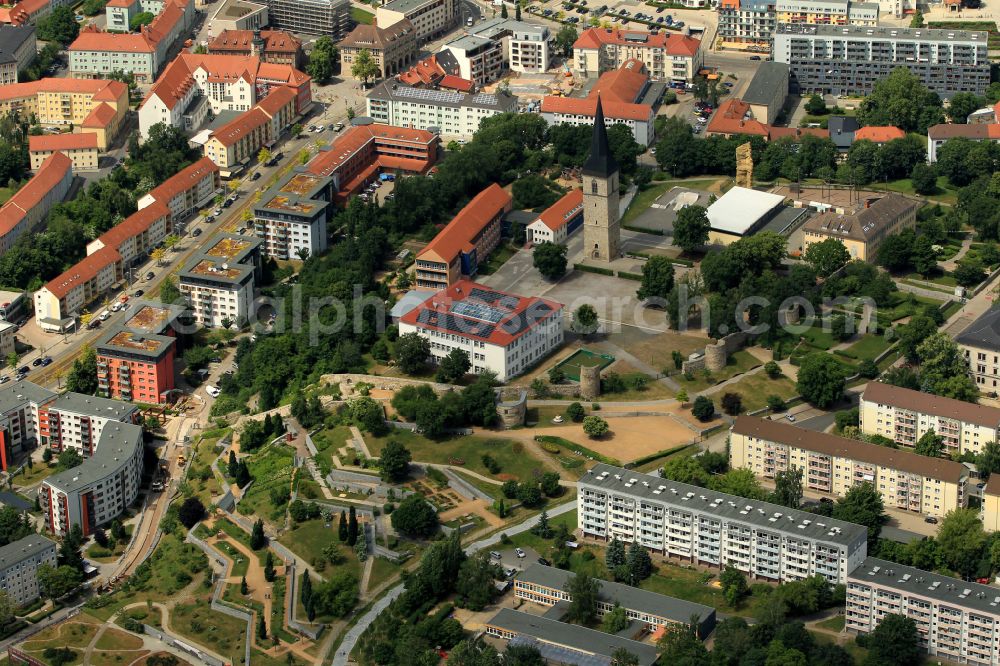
(92, 39)
(730, 118)
(878, 134)
(984, 333)
(100, 89)
(239, 127)
(100, 116)
(275, 41)
(424, 72)
(85, 269)
(458, 235)
(588, 107)
(558, 214)
(50, 173)
(624, 84)
(183, 179)
(276, 100)
(355, 139)
(867, 223)
(979, 132)
(134, 224)
(46, 142)
(928, 403)
(12, 38)
(453, 82)
(673, 43)
(22, 12)
(371, 36)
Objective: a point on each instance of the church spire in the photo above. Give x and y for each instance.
(601, 162)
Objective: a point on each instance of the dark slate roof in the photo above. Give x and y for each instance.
(13, 38)
(984, 333)
(601, 163)
(842, 129)
(954, 592)
(770, 75)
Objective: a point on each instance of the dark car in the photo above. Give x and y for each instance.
(255, 176)
(138, 292)
(94, 323)
(544, 562)
(196, 233)
(150, 275)
(37, 362)
(931, 519)
(755, 57)
(23, 370)
(46, 361)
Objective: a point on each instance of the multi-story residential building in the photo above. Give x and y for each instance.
(744, 23)
(904, 416)
(558, 221)
(827, 12)
(118, 14)
(81, 149)
(501, 332)
(25, 12)
(135, 361)
(714, 529)
(237, 142)
(29, 205)
(862, 231)
(525, 46)
(19, 564)
(194, 86)
(832, 465)
(666, 55)
(627, 97)
(317, 17)
(549, 586)
(219, 282)
(95, 53)
(393, 48)
(8, 333)
(19, 406)
(990, 509)
(290, 218)
(186, 191)
(273, 46)
(466, 241)
(76, 421)
(956, 620)
(17, 50)
(361, 153)
(93, 105)
(478, 59)
(430, 18)
(937, 135)
(456, 114)
(101, 488)
(849, 60)
(238, 15)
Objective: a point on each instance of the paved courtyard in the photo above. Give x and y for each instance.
(661, 213)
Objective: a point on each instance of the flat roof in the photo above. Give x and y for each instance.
(910, 580)
(15, 394)
(392, 90)
(405, 5)
(223, 262)
(793, 522)
(740, 208)
(151, 316)
(22, 549)
(79, 403)
(770, 76)
(887, 32)
(132, 342)
(118, 442)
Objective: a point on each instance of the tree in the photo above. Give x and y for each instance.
(261, 628)
(364, 66)
(862, 504)
(565, 39)
(550, 260)
(622, 657)
(503, 10)
(58, 26)
(473, 652)
(585, 319)
(269, 572)
(244, 588)
(191, 512)
(816, 106)
(685, 469)
(924, 258)
(475, 581)
(988, 460)
(368, 414)
(739, 482)
(58, 582)
(943, 368)
(394, 461)
(529, 494)
(575, 412)
(913, 334)
(703, 408)
(895, 641)
(788, 488)
(583, 607)
(657, 278)
(258, 539)
(595, 426)
(680, 645)
(264, 155)
(820, 380)
(969, 272)
(415, 517)
(139, 20)
(930, 444)
(961, 541)
(962, 105)
(322, 60)
(901, 100)
(352, 526)
(169, 293)
(734, 586)
(732, 403)
(82, 378)
(550, 484)
(827, 256)
(342, 527)
(306, 589)
(412, 351)
(924, 178)
(639, 564)
(615, 620)
(453, 366)
(772, 370)
(68, 459)
(615, 555)
(691, 228)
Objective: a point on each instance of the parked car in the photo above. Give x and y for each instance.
(137, 293)
(46, 361)
(755, 57)
(196, 233)
(150, 275)
(94, 323)
(4, 379)
(790, 417)
(104, 316)
(213, 391)
(255, 176)
(519, 552)
(338, 127)
(37, 362)
(23, 370)
(544, 562)
(495, 555)
(931, 519)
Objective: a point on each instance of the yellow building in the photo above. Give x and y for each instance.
(93, 105)
(863, 231)
(990, 512)
(827, 12)
(832, 465)
(80, 148)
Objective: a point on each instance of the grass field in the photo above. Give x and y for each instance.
(361, 16)
(869, 346)
(237, 533)
(328, 441)
(113, 639)
(240, 562)
(643, 200)
(219, 632)
(497, 258)
(205, 486)
(835, 623)
(490, 489)
(271, 469)
(583, 358)
(755, 389)
(945, 193)
(308, 540)
(738, 363)
(657, 349)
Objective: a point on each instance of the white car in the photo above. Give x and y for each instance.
(213, 391)
(520, 553)
(104, 316)
(790, 417)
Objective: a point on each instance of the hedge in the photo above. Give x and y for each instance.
(548, 443)
(594, 269)
(653, 456)
(630, 276)
(644, 230)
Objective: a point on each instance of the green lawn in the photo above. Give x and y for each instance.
(239, 559)
(328, 441)
(835, 623)
(738, 363)
(382, 570)
(36, 474)
(196, 620)
(359, 15)
(643, 200)
(271, 469)
(237, 533)
(200, 477)
(308, 540)
(869, 346)
(5, 194)
(490, 489)
(497, 258)
(755, 389)
(945, 193)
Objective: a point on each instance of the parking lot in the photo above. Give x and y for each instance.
(585, 13)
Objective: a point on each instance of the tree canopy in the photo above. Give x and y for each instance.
(901, 100)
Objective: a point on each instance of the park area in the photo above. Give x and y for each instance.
(583, 358)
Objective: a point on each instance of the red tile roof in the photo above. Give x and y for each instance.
(101, 89)
(92, 39)
(357, 137)
(84, 270)
(456, 83)
(424, 72)
(879, 134)
(134, 224)
(22, 12)
(624, 84)
(674, 43)
(775, 133)
(729, 119)
(121, 3)
(618, 90)
(558, 214)
(276, 100)
(46, 142)
(50, 173)
(100, 116)
(275, 41)
(183, 180)
(230, 133)
(457, 236)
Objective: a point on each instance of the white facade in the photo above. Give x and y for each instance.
(456, 114)
(430, 18)
(285, 239)
(19, 563)
(641, 128)
(713, 529)
(213, 303)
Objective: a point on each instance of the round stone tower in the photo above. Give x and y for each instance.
(715, 356)
(590, 382)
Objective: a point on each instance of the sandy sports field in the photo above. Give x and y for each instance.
(630, 437)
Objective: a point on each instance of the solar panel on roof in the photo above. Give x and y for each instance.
(494, 298)
(455, 324)
(478, 311)
(427, 93)
(484, 98)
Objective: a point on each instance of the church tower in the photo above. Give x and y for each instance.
(601, 223)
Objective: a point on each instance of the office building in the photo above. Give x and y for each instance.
(232, 146)
(862, 231)
(271, 46)
(666, 55)
(558, 221)
(833, 465)
(393, 48)
(290, 219)
(17, 50)
(19, 564)
(430, 18)
(904, 416)
(24, 211)
(735, 117)
(454, 114)
(476, 59)
(850, 60)
(500, 332)
(956, 620)
(135, 361)
(767, 91)
(219, 282)
(709, 528)
(238, 15)
(549, 586)
(315, 17)
(980, 343)
(81, 149)
(467, 240)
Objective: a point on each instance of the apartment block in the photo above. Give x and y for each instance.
(24, 211)
(990, 510)
(957, 621)
(315, 17)
(744, 23)
(430, 18)
(93, 105)
(232, 146)
(478, 59)
(81, 149)
(219, 282)
(393, 48)
(290, 219)
(938, 135)
(455, 114)
(17, 50)
(667, 55)
(20, 402)
(8, 333)
(832, 465)
(500, 332)
(19, 564)
(849, 60)
(272, 46)
(707, 528)
(76, 421)
(525, 46)
(25, 12)
(980, 343)
(827, 12)
(863, 230)
(904, 416)
(135, 361)
(118, 14)
(186, 191)
(466, 241)
(549, 586)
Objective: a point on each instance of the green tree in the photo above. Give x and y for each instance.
(739, 482)
(732, 403)
(657, 278)
(453, 367)
(585, 319)
(415, 517)
(322, 60)
(622, 657)
(962, 105)
(820, 379)
(475, 581)
(269, 572)
(58, 582)
(685, 469)
(639, 564)
(594, 426)
(969, 272)
(261, 628)
(412, 352)
(550, 260)
(827, 256)
(575, 412)
(615, 557)
(565, 39)
(368, 414)
(583, 607)
(82, 377)
(930, 444)
(895, 641)
(474, 652)
(816, 106)
(680, 645)
(615, 620)
(139, 20)
(862, 505)
(734, 586)
(258, 539)
(788, 488)
(943, 368)
(244, 588)
(961, 541)
(169, 293)
(342, 527)
(988, 460)
(191, 512)
(68, 459)
(703, 408)
(394, 461)
(58, 26)
(691, 228)
(352, 526)
(901, 100)
(364, 66)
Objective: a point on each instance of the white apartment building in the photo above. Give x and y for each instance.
(291, 217)
(956, 620)
(430, 18)
(525, 46)
(981, 344)
(479, 59)
(219, 282)
(904, 416)
(76, 421)
(20, 403)
(19, 563)
(667, 55)
(456, 114)
(713, 529)
(186, 191)
(832, 465)
(8, 332)
(500, 332)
